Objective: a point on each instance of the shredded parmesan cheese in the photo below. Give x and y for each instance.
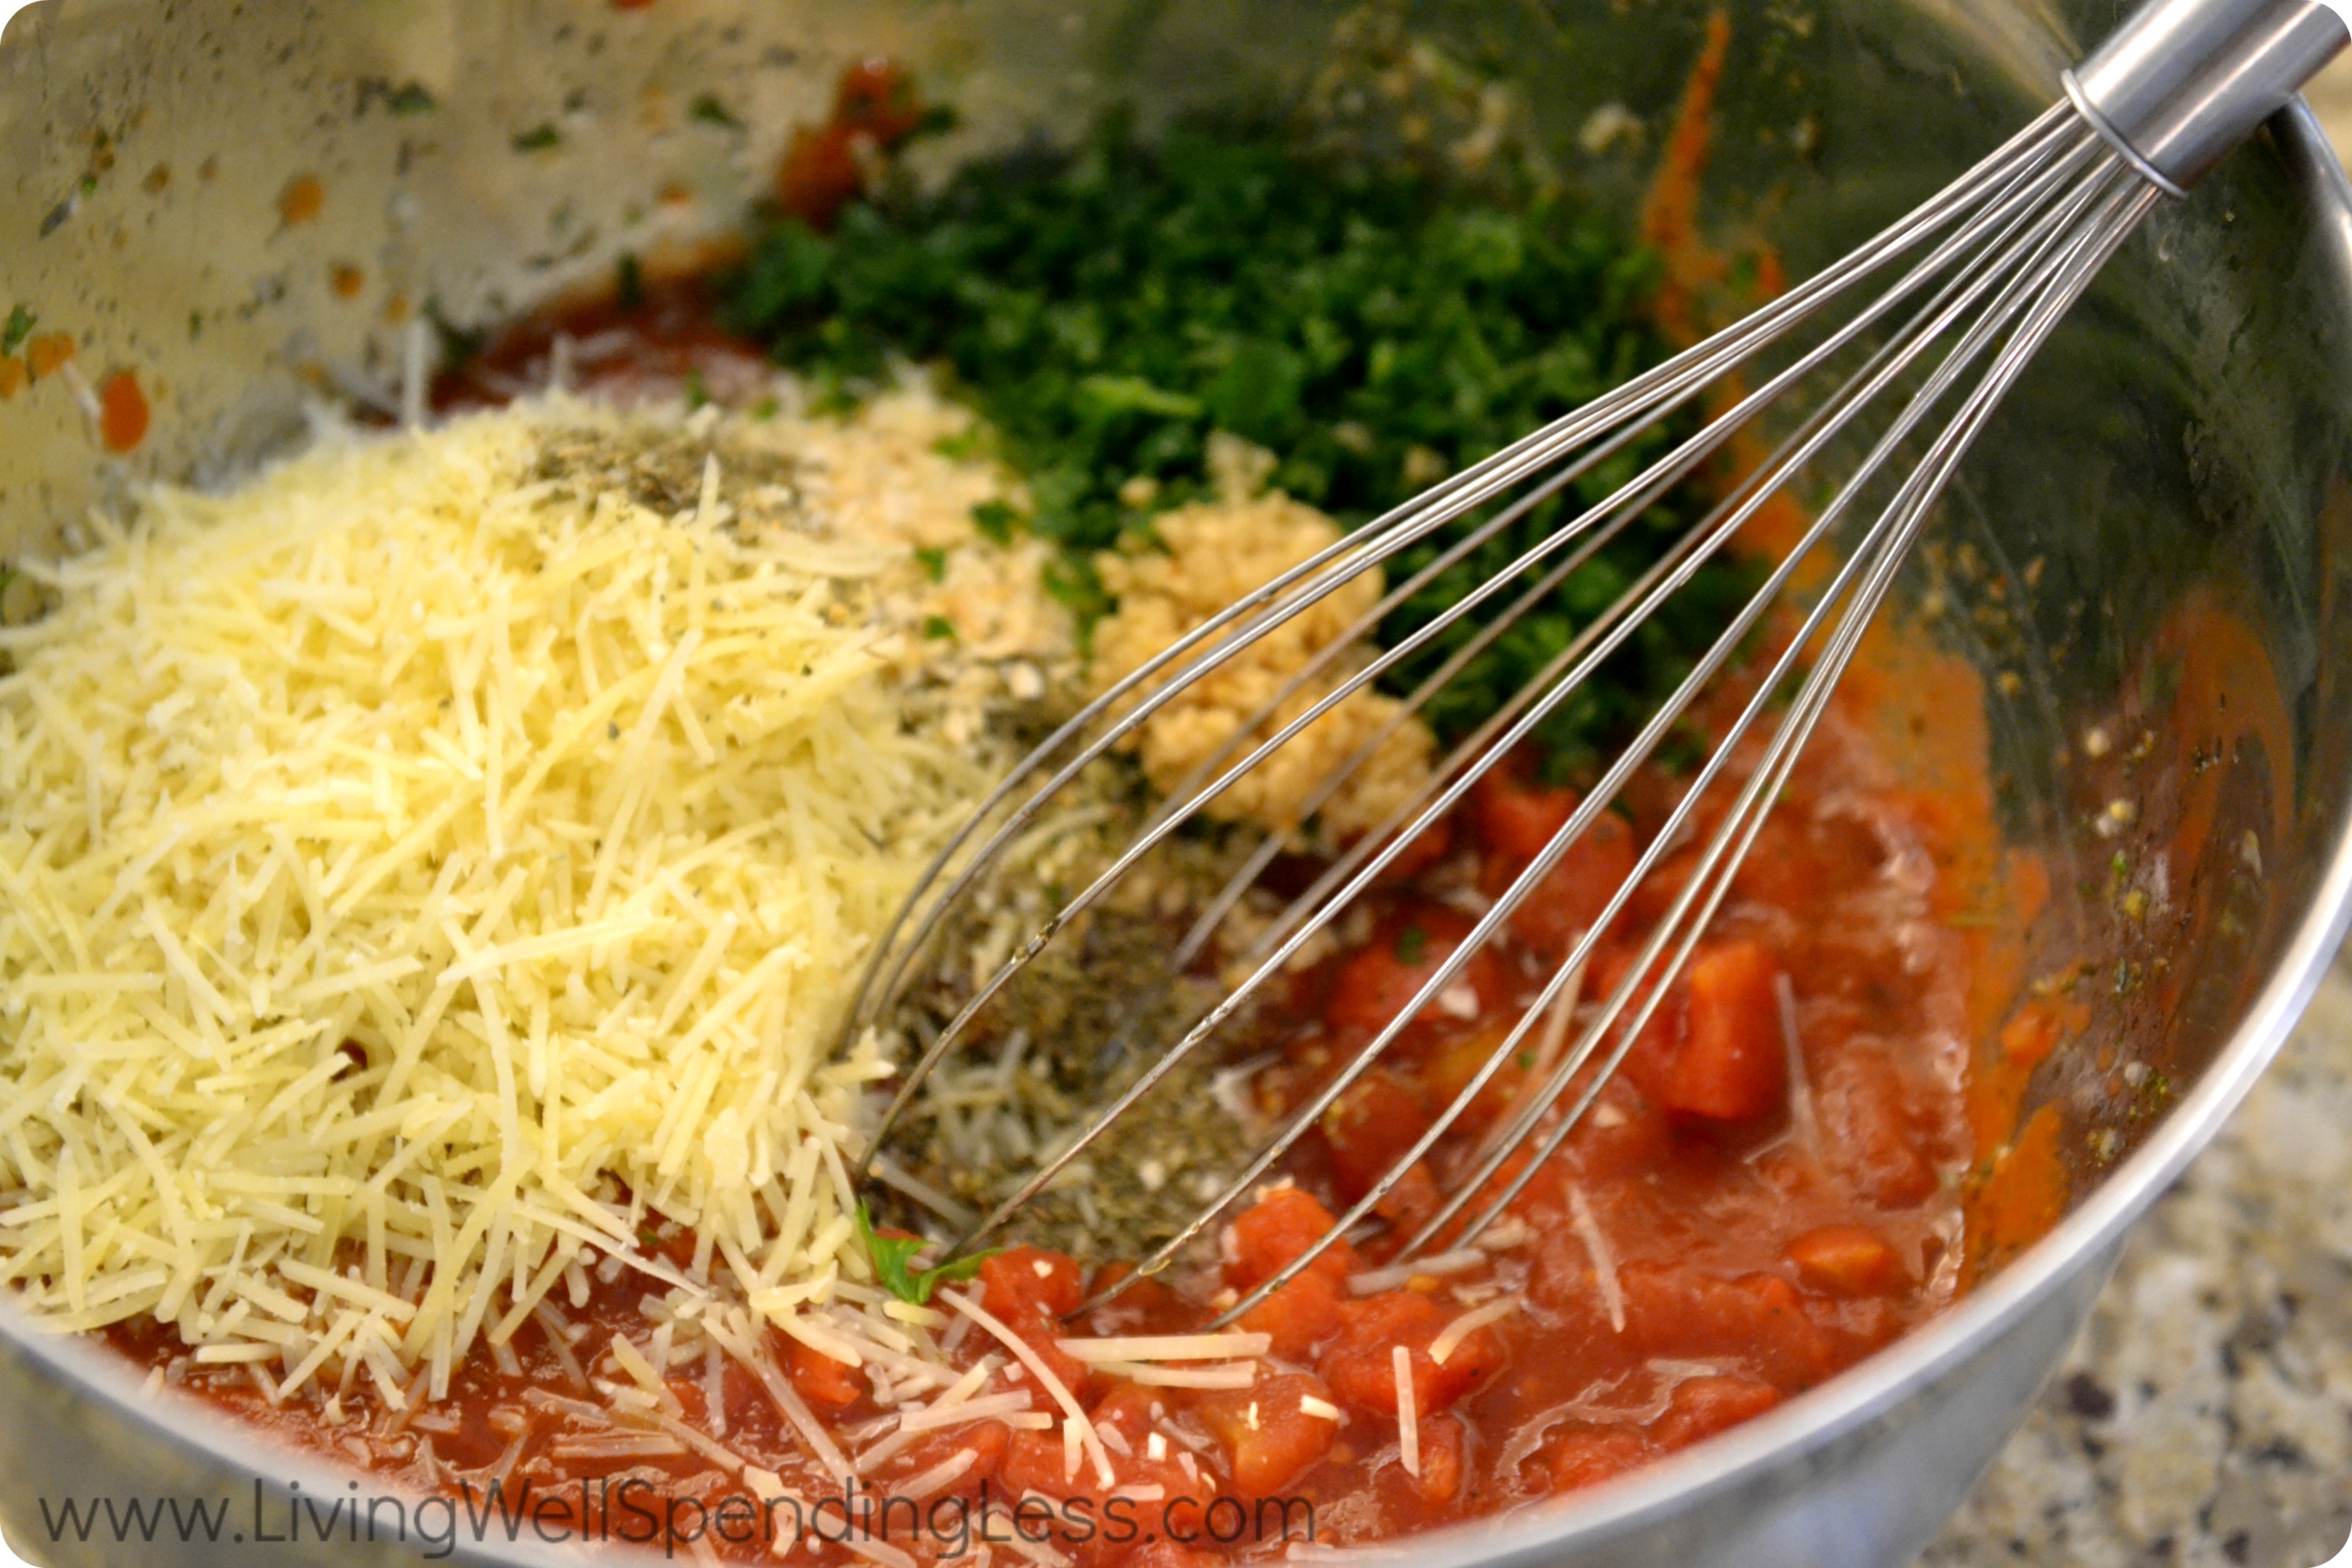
(1168, 1347)
(1074, 1416)
(1449, 1338)
(455, 846)
(1408, 1417)
(1604, 1262)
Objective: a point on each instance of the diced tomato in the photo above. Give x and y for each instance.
(1571, 899)
(1031, 1289)
(1702, 1407)
(1444, 1445)
(1374, 1121)
(1359, 1364)
(1140, 1299)
(1654, 898)
(1867, 1126)
(1126, 1408)
(1516, 816)
(1650, 1063)
(1517, 819)
(1021, 1281)
(1449, 1071)
(1380, 980)
(1675, 1310)
(1732, 1064)
(1712, 1047)
(1427, 848)
(1300, 1316)
(823, 1381)
(1270, 1438)
(1587, 1456)
(1847, 1259)
(1280, 1225)
(1415, 1197)
(1624, 1135)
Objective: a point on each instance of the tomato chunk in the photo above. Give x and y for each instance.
(1445, 1447)
(1732, 1064)
(1025, 1281)
(1702, 1407)
(1426, 849)
(821, 1380)
(1847, 1259)
(1368, 1127)
(1587, 1456)
(1300, 1316)
(1359, 1364)
(1031, 1289)
(1280, 1225)
(1270, 1437)
(1516, 816)
(1381, 979)
(1756, 1320)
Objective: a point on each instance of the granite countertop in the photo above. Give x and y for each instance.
(2205, 1416)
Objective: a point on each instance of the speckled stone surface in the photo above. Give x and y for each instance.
(2205, 1417)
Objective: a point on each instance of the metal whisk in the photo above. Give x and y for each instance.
(1962, 293)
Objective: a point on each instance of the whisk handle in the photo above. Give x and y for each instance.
(2181, 82)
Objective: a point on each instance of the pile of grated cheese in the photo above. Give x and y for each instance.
(431, 864)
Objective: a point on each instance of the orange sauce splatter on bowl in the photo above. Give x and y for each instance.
(303, 199)
(874, 109)
(122, 411)
(47, 354)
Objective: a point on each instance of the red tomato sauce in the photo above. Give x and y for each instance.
(1736, 1220)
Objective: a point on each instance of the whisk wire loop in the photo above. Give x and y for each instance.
(2029, 273)
(1969, 285)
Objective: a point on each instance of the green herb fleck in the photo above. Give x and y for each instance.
(20, 327)
(1682, 751)
(1411, 944)
(939, 627)
(711, 112)
(538, 138)
(890, 1256)
(934, 563)
(411, 97)
(629, 287)
(697, 391)
(994, 519)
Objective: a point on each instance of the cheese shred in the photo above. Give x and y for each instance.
(441, 864)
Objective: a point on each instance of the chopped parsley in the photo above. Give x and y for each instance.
(711, 112)
(1107, 308)
(891, 1256)
(1411, 945)
(20, 327)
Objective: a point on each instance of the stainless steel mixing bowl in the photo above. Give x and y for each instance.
(2170, 483)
